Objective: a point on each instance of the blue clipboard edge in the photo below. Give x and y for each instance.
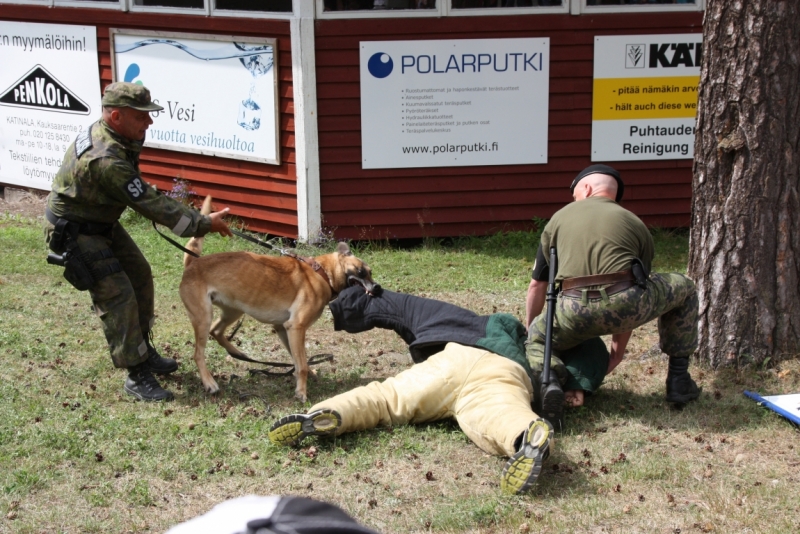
(761, 400)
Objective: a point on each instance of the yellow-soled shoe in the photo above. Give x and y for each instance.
(292, 429)
(522, 469)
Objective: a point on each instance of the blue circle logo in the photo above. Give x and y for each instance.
(380, 65)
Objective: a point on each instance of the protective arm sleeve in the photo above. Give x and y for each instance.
(541, 270)
(124, 183)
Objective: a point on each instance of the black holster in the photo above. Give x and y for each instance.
(640, 274)
(78, 266)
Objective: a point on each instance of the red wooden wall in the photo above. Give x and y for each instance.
(406, 203)
(264, 196)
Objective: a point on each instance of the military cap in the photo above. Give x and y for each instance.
(600, 169)
(129, 95)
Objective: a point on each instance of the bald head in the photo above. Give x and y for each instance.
(596, 185)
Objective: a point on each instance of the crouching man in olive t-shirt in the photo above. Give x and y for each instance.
(604, 257)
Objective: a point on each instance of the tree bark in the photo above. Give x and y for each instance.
(745, 236)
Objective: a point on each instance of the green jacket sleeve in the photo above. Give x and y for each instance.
(124, 183)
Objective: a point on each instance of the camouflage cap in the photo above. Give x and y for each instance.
(129, 95)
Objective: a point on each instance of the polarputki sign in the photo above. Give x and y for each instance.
(454, 103)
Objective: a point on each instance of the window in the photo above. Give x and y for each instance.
(365, 5)
(281, 6)
(629, 6)
(329, 9)
(246, 8)
(476, 4)
(636, 2)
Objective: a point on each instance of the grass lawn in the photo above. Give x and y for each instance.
(77, 455)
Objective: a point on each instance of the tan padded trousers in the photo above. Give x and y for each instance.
(488, 395)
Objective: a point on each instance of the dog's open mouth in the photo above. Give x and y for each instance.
(370, 287)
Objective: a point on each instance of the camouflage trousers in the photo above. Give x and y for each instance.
(124, 301)
(671, 298)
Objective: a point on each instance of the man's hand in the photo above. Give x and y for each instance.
(573, 398)
(218, 225)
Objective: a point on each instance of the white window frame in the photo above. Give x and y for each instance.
(209, 9)
(119, 5)
(699, 5)
(442, 9)
(378, 13)
(501, 11)
(47, 3)
(273, 15)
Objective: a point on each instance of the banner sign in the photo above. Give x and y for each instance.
(454, 103)
(645, 96)
(49, 93)
(219, 93)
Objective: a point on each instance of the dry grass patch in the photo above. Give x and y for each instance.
(78, 456)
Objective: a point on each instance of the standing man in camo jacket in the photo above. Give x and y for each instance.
(98, 179)
(604, 258)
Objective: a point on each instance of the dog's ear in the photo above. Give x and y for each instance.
(343, 249)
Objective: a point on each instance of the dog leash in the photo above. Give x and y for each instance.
(186, 250)
(252, 239)
(314, 360)
(264, 244)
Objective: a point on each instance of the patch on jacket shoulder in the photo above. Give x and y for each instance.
(83, 142)
(135, 187)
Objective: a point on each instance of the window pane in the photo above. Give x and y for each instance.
(284, 6)
(198, 4)
(636, 2)
(472, 4)
(356, 5)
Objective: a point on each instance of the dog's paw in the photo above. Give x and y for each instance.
(301, 396)
(211, 387)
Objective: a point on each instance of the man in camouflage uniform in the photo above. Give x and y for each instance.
(98, 179)
(599, 245)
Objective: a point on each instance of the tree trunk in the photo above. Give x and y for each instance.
(745, 237)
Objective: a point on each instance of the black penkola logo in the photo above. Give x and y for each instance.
(38, 89)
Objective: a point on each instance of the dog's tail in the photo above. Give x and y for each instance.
(195, 244)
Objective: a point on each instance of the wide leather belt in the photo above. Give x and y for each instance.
(83, 228)
(597, 280)
(596, 294)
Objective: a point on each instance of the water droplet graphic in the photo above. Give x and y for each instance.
(249, 115)
(131, 72)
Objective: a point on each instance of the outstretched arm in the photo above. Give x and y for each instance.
(618, 344)
(534, 302)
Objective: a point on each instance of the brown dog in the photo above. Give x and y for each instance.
(287, 292)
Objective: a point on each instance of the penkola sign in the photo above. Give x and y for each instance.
(49, 93)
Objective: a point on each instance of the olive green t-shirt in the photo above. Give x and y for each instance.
(596, 236)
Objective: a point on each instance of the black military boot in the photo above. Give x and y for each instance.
(680, 386)
(143, 385)
(157, 363)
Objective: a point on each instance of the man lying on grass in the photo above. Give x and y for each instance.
(469, 367)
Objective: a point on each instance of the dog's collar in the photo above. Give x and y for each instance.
(314, 264)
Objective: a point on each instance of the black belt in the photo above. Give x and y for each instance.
(596, 294)
(597, 280)
(85, 228)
